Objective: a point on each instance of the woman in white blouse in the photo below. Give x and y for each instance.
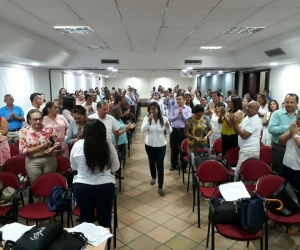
(263, 102)
(155, 144)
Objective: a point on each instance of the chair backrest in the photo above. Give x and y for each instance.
(63, 164)
(212, 171)
(184, 146)
(13, 150)
(253, 169)
(9, 180)
(217, 147)
(217, 193)
(44, 184)
(232, 155)
(268, 185)
(16, 143)
(265, 154)
(15, 165)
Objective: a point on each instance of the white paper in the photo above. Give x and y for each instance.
(14, 231)
(234, 191)
(95, 234)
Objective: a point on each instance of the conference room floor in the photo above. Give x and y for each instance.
(148, 221)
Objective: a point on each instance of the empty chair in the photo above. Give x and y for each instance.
(265, 154)
(13, 150)
(184, 160)
(232, 157)
(217, 147)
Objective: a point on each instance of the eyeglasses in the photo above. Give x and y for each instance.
(37, 119)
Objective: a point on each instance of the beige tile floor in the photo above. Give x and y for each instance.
(148, 221)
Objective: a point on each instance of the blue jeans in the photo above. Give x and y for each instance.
(95, 197)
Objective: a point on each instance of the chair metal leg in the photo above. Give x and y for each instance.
(207, 238)
(261, 243)
(182, 174)
(248, 243)
(212, 236)
(194, 193)
(188, 182)
(198, 206)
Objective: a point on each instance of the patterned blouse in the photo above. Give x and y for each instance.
(29, 139)
(198, 128)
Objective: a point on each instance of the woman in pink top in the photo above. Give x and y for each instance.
(80, 98)
(51, 118)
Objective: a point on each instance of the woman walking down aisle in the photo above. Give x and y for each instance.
(155, 144)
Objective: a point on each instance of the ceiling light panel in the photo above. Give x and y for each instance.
(244, 30)
(74, 29)
(98, 47)
(211, 47)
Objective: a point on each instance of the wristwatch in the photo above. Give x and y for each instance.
(296, 136)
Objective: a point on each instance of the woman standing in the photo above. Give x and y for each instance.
(76, 126)
(159, 101)
(155, 144)
(266, 136)
(215, 125)
(94, 186)
(197, 129)
(263, 102)
(189, 101)
(245, 102)
(229, 137)
(4, 146)
(38, 143)
(68, 105)
(59, 123)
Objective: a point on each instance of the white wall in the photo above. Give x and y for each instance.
(284, 80)
(41, 82)
(144, 85)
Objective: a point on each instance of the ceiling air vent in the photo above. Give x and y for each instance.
(192, 61)
(110, 61)
(275, 52)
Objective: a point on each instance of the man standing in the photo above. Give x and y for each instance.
(89, 105)
(14, 116)
(279, 123)
(108, 120)
(36, 102)
(266, 92)
(248, 135)
(178, 115)
(215, 98)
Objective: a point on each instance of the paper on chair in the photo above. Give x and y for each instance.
(14, 231)
(234, 191)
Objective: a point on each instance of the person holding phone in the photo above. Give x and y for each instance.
(155, 144)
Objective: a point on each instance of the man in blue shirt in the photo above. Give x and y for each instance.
(14, 116)
(266, 92)
(279, 123)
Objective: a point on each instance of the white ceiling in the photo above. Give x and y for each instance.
(140, 29)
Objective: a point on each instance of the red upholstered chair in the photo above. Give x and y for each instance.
(184, 159)
(267, 185)
(253, 170)
(265, 155)
(10, 213)
(63, 164)
(232, 157)
(16, 143)
(233, 232)
(217, 147)
(13, 150)
(209, 171)
(42, 187)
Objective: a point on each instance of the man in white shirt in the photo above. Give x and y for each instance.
(36, 102)
(89, 105)
(108, 120)
(249, 135)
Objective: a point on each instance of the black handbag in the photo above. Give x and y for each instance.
(224, 212)
(39, 237)
(69, 241)
(252, 215)
(203, 156)
(60, 199)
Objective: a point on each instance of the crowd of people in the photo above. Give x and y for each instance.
(95, 124)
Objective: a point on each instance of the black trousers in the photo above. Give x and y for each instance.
(277, 156)
(228, 141)
(156, 156)
(176, 138)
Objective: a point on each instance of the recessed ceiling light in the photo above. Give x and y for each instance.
(208, 73)
(245, 30)
(114, 70)
(91, 73)
(100, 75)
(211, 47)
(80, 71)
(189, 68)
(221, 71)
(184, 70)
(102, 47)
(198, 75)
(274, 63)
(110, 68)
(74, 29)
(106, 76)
(35, 64)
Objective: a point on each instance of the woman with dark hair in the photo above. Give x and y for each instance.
(62, 91)
(246, 100)
(95, 159)
(189, 101)
(197, 129)
(155, 144)
(68, 105)
(38, 143)
(76, 126)
(51, 118)
(229, 137)
(263, 102)
(266, 136)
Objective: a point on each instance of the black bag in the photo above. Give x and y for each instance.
(69, 241)
(37, 238)
(60, 199)
(203, 156)
(252, 215)
(225, 212)
(286, 194)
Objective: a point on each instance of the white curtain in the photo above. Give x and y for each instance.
(76, 82)
(18, 83)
